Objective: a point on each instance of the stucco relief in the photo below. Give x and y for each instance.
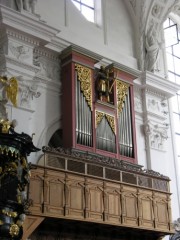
(49, 70)
(153, 105)
(138, 101)
(20, 52)
(27, 93)
(156, 10)
(157, 106)
(48, 67)
(156, 134)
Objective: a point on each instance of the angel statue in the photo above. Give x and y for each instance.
(9, 89)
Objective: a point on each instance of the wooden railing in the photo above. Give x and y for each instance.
(72, 186)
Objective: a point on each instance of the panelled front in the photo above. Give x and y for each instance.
(73, 196)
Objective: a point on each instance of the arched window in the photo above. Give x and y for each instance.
(87, 8)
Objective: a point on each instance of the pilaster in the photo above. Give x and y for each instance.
(22, 36)
(151, 105)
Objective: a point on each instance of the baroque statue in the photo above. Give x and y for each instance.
(104, 83)
(27, 5)
(152, 47)
(9, 91)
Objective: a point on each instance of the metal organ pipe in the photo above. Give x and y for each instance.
(83, 118)
(125, 129)
(105, 136)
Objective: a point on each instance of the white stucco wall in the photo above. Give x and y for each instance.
(114, 39)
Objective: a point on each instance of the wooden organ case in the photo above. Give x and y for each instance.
(92, 186)
(97, 106)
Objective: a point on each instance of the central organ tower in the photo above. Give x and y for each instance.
(97, 107)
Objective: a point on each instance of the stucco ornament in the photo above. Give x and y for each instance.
(176, 225)
(27, 5)
(157, 135)
(152, 47)
(27, 93)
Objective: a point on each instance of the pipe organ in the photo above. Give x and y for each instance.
(97, 107)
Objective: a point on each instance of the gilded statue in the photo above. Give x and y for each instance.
(104, 84)
(10, 89)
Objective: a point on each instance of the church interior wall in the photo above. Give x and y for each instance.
(113, 40)
(105, 39)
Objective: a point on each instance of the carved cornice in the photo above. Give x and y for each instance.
(102, 160)
(22, 37)
(157, 85)
(26, 24)
(58, 44)
(132, 71)
(47, 53)
(85, 77)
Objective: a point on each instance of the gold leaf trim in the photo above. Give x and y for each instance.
(111, 121)
(122, 91)
(99, 117)
(6, 149)
(84, 76)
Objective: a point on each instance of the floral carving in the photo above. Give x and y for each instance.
(84, 76)
(110, 119)
(122, 91)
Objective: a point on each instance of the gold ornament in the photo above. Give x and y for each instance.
(84, 76)
(110, 119)
(14, 230)
(12, 91)
(122, 91)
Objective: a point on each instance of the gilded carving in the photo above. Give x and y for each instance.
(111, 122)
(9, 213)
(99, 117)
(14, 230)
(84, 76)
(122, 91)
(10, 88)
(110, 119)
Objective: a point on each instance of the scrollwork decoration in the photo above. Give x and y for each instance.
(110, 119)
(84, 76)
(99, 117)
(122, 91)
(111, 122)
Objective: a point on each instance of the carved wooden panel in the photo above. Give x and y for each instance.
(75, 201)
(129, 205)
(36, 190)
(112, 202)
(162, 220)
(94, 199)
(145, 209)
(61, 194)
(54, 196)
